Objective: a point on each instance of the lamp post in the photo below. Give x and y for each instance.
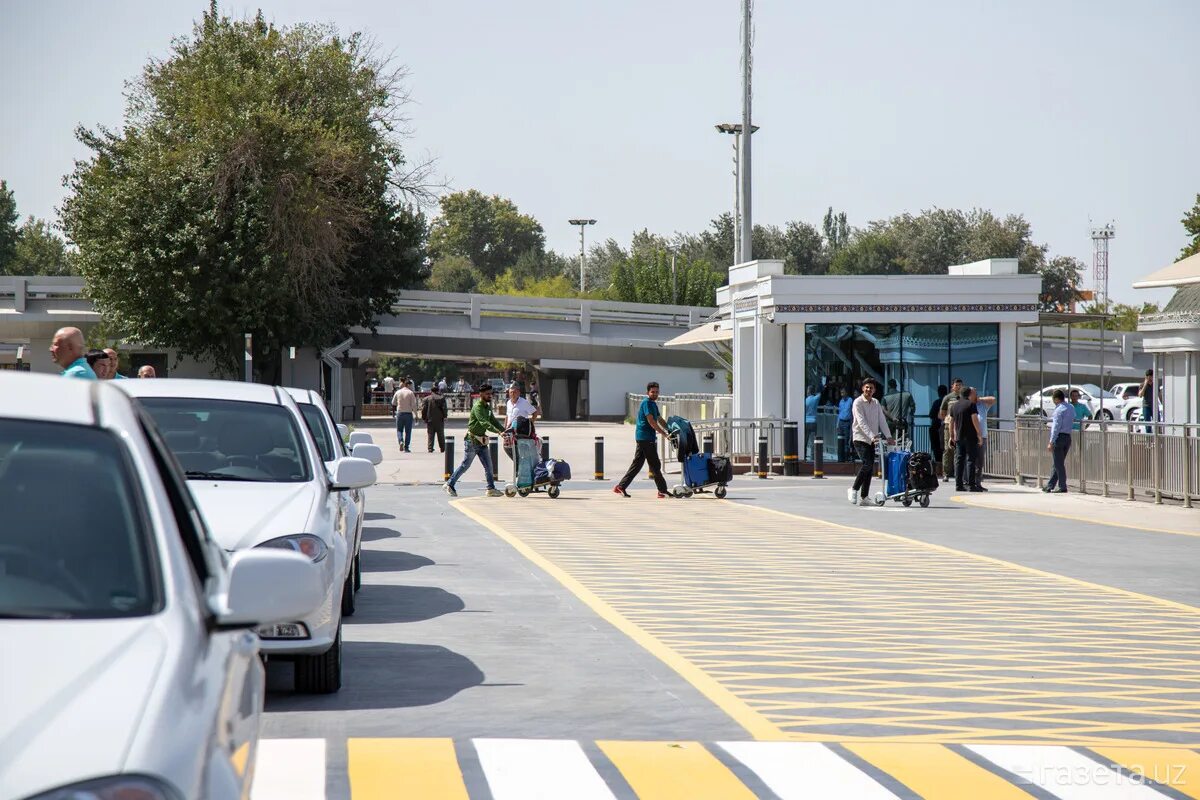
(735, 129)
(582, 223)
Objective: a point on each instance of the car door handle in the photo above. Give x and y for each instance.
(245, 644)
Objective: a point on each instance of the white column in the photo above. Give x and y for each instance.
(768, 392)
(1007, 383)
(744, 367)
(796, 344)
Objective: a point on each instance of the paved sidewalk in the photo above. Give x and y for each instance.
(1088, 508)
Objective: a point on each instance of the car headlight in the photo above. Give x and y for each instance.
(304, 543)
(117, 787)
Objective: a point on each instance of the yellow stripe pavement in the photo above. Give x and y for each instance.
(674, 771)
(385, 769)
(937, 773)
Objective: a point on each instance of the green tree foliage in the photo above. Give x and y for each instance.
(870, 252)
(419, 369)
(453, 274)
(1061, 277)
(8, 229)
(646, 278)
(257, 185)
(1122, 317)
(548, 286)
(837, 230)
(1191, 224)
(488, 231)
(39, 251)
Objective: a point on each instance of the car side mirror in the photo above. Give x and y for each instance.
(365, 450)
(360, 437)
(343, 430)
(352, 473)
(268, 585)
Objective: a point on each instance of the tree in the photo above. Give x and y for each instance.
(716, 243)
(1060, 283)
(646, 278)
(1191, 224)
(870, 252)
(1122, 317)
(837, 230)
(39, 251)
(489, 231)
(256, 185)
(453, 274)
(804, 250)
(8, 229)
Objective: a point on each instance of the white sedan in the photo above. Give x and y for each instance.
(1089, 394)
(129, 666)
(261, 482)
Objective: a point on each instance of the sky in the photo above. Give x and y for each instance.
(1070, 113)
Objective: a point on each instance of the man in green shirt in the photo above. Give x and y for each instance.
(1081, 411)
(948, 453)
(475, 442)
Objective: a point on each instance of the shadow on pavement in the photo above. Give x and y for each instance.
(377, 515)
(384, 604)
(373, 534)
(392, 561)
(381, 675)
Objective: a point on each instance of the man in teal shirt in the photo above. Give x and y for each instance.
(648, 421)
(66, 348)
(1081, 411)
(475, 443)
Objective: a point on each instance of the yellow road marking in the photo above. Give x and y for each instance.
(981, 503)
(937, 773)
(1174, 767)
(754, 723)
(674, 771)
(239, 757)
(386, 769)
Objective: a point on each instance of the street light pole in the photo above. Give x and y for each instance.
(744, 167)
(582, 223)
(735, 129)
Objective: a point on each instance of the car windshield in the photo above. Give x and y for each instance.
(320, 433)
(73, 540)
(231, 440)
(1094, 390)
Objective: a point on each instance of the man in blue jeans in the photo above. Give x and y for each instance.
(475, 442)
(845, 419)
(405, 401)
(1060, 442)
(648, 421)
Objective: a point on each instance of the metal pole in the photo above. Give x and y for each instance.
(1103, 422)
(249, 358)
(599, 473)
(1069, 362)
(495, 453)
(762, 456)
(791, 447)
(674, 291)
(582, 258)
(545, 448)
(1156, 442)
(747, 134)
(819, 457)
(448, 462)
(737, 198)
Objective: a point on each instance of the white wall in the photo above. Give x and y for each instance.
(608, 383)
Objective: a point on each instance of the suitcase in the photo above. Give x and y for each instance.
(526, 454)
(720, 470)
(697, 469)
(921, 476)
(897, 472)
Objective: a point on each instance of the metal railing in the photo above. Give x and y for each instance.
(693, 406)
(1114, 459)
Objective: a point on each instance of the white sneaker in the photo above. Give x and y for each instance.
(852, 496)
(495, 493)
(449, 489)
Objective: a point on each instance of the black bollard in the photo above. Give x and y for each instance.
(599, 474)
(819, 457)
(495, 448)
(545, 448)
(708, 443)
(448, 466)
(791, 448)
(762, 457)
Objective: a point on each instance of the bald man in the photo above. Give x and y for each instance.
(147, 371)
(67, 350)
(113, 361)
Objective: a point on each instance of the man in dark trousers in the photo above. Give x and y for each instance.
(965, 434)
(433, 411)
(648, 421)
(949, 460)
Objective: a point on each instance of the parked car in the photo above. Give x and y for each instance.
(426, 387)
(129, 660)
(497, 385)
(260, 482)
(1124, 391)
(329, 443)
(1089, 394)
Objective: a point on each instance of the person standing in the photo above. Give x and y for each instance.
(948, 455)
(442, 385)
(389, 385)
(965, 436)
(1146, 392)
(114, 363)
(899, 407)
(811, 402)
(434, 412)
(868, 427)
(982, 405)
(475, 442)
(146, 371)
(1081, 411)
(404, 401)
(67, 350)
(937, 445)
(1062, 419)
(845, 421)
(98, 360)
(649, 420)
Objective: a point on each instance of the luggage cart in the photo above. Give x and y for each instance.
(696, 478)
(526, 452)
(893, 461)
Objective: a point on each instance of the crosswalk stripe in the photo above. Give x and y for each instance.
(935, 772)
(416, 769)
(1171, 766)
(804, 770)
(674, 771)
(530, 769)
(1065, 773)
(289, 768)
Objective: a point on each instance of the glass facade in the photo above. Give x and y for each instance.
(909, 361)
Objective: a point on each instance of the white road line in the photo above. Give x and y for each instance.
(289, 769)
(803, 770)
(531, 769)
(1065, 773)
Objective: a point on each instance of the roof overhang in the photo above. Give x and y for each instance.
(718, 331)
(1181, 273)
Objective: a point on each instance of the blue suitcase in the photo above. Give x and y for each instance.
(695, 469)
(896, 472)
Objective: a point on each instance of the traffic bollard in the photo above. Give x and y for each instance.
(762, 457)
(599, 474)
(819, 457)
(791, 448)
(495, 448)
(448, 466)
(545, 448)
(708, 443)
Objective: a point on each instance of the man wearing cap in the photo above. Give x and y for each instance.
(67, 350)
(475, 442)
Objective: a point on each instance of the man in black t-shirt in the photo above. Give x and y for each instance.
(965, 434)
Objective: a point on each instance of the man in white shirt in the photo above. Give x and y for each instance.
(868, 426)
(405, 403)
(517, 407)
(389, 384)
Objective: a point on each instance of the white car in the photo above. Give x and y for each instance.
(260, 482)
(328, 440)
(129, 664)
(1089, 394)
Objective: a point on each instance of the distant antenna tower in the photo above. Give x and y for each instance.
(1100, 237)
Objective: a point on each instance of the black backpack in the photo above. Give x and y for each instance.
(921, 476)
(720, 470)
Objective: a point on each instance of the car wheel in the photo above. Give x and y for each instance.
(1107, 414)
(348, 595)
(358, 572)
(322, 673)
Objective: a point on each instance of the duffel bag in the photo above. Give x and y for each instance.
(720, 470)
(540, 473)
(921, 476)
(559, 470)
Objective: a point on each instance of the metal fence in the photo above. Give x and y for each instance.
(1114, 459)
(694, 407)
